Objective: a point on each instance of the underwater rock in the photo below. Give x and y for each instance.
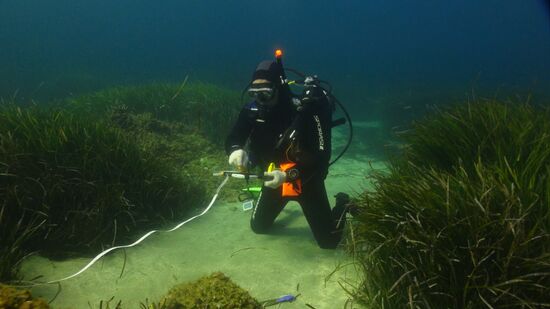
(214, 291)
(12, 298)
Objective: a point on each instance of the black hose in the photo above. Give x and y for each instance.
(350, 137)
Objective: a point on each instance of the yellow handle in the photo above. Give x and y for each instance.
(271, 167)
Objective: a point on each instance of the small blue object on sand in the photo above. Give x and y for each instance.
(283, 299)
(286, 298)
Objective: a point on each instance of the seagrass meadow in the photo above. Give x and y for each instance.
(89, 172)
(461, 219)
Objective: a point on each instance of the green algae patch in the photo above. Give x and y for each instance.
(12, 298)
(213, 291)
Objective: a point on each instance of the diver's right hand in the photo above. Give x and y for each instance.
(239, 159)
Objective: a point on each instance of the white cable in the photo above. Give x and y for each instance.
(99, 256)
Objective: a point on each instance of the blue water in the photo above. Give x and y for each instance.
(372, 51)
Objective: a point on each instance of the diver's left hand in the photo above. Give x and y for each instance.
(278, 178)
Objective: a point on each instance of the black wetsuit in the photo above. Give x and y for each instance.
(271, 139)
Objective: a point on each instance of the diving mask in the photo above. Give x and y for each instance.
(262, 92)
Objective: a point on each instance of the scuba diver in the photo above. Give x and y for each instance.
(294, 134)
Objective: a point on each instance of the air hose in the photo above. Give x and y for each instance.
(350, 125)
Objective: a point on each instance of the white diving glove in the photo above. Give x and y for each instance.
(278, 178)
(239, 159)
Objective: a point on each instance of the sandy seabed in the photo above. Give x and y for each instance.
(287, 261)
